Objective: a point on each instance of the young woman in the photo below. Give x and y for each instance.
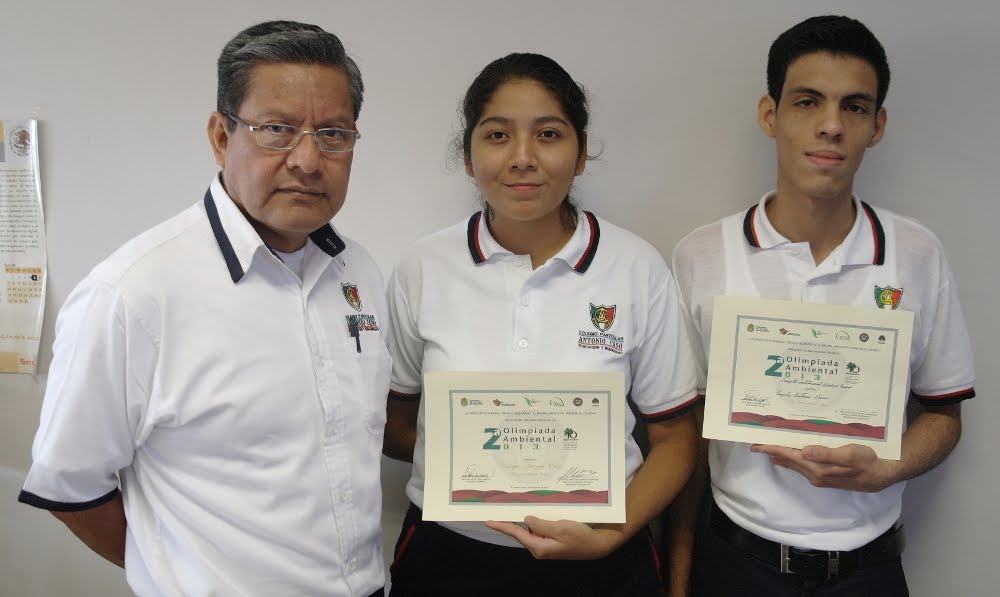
(521, 286)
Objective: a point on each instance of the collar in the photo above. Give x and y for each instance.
(864, 245)
(578, 252)
(237, 239)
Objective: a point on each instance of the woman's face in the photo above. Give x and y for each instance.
(524, 154)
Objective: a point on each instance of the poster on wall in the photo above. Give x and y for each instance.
(22, 247)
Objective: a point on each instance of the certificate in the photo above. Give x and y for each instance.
(798, 374)
(501, 446)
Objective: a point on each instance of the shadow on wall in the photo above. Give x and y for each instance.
(40, 557)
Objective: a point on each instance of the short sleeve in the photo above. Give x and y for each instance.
(94, 402)
(664, 368)
(697, 266)
(405, 344)
(944, 373)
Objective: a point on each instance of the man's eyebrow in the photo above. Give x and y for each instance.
(273, 116)
(807, 91)
(268, 116)
(850, 97)
(859, 95)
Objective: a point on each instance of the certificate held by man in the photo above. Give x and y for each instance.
(501, 446)
(797, 374)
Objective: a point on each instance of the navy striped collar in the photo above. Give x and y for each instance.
(578, 253)
(325, 237)
(868, 247)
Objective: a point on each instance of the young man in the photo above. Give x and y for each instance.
(820, 520)
(227, 367)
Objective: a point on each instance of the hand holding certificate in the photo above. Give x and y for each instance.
(799, 374)
(500, 446)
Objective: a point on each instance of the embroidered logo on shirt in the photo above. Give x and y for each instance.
(365, 322)
(602, 316)
(888, 297)
(352, 295)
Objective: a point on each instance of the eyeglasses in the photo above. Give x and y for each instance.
(274, 135)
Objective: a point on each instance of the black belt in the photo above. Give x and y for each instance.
(807, 563)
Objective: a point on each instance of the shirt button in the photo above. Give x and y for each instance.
(522, 343)
(524, 301)
(796, 250)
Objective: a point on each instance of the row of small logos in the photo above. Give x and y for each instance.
(528, 401)
(839, 334)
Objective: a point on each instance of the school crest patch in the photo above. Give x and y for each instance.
(352, 295)
(602, 316)
(888, 297)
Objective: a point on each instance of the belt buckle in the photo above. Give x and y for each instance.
(832, 563)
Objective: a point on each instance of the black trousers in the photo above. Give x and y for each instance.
(431, 560)
(721, 570)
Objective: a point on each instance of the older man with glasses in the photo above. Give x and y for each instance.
(214, 412)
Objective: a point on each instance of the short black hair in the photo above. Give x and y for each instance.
(275, 42)
(834, 34)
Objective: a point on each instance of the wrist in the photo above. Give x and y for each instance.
(890, 473)
(610, 538)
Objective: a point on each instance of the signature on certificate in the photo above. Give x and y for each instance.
(474, 473)
(754, 398)
(575, 473)
(807, 395)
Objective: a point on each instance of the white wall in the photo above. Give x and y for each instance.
(123, 91)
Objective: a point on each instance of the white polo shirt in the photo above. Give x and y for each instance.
(461, 302)
(883, 253)
(243, 417)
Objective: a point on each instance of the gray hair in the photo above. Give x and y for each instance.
(276, 42)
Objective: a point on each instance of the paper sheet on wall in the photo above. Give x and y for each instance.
(22, 247)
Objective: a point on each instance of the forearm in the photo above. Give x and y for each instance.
(929, 439)
(681, 523)
(931, 436)
(398, 450)
(400, 435)
(102, 529)
(666, 470)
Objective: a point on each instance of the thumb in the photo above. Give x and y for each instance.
(816, 453)
(539, 527)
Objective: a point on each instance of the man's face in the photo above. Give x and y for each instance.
(287, 194)
(825, 121)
